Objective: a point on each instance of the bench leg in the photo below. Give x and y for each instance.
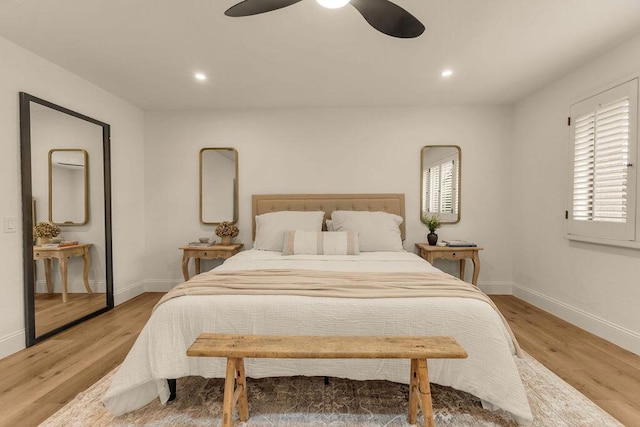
(229, 388)
(425, 393)
(232, 394)
(413, 392)
(243, 404)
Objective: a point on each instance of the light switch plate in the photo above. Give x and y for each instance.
(9, 224)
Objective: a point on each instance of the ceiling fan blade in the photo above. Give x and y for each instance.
(254, 7)
(389, 18)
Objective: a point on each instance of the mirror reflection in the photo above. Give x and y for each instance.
(218, 185)
(440, 182)
(68, 186)
(67, 251)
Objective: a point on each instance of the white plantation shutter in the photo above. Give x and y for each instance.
(446, 187)
(440, 182)
(604, 147)
(425, 186)
(434, 189)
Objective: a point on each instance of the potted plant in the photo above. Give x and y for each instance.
(226, 231)
(433, 223)
(44, 231)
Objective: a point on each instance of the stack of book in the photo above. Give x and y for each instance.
(61, 244)
(459, 244)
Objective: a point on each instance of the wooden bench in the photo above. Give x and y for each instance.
(237, 347)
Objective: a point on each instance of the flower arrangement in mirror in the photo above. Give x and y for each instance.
(44, 231)
(226, 231)
(433, 223)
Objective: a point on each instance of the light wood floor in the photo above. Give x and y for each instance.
(38, 381)
(604, 372)
(51, 312)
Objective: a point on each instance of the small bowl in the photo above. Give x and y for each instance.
(56, 240)
(204, 239)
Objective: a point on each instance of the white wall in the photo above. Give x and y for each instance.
(596, 287)
(21, 70)
(354, 150)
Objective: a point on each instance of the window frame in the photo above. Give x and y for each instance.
(625, 234)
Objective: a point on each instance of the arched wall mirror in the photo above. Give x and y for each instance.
(440, 182)
(218, 185)
(68, 186)
(65, 159)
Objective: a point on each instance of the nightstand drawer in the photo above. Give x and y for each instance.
(452, 255)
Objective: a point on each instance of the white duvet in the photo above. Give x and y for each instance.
(159, 353)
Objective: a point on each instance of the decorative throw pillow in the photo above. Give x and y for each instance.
(270, 227)
(377, 231)
(298, 242)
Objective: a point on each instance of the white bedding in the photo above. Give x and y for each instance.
(159, 353)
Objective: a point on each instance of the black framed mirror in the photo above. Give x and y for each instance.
(68, 272)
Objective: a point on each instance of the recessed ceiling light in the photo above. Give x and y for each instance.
(200, 76)
(333, 4)
(447, 73)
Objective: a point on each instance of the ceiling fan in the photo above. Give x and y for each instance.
(382, 15)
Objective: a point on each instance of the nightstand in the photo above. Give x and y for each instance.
(206, 252)
(431, 253)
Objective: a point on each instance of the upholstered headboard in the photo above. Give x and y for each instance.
(265, 203)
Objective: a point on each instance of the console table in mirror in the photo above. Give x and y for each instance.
(440, 182)
(218, 185)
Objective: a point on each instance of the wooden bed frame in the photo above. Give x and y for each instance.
(265, 203)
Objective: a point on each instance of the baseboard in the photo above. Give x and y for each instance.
(75, 287)
(609, 331)
(12, 343)
(496, 288)
(131, 291)
(160, 285)
(148, 285)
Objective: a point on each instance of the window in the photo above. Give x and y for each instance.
(603, 145)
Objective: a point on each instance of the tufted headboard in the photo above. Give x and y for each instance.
(265, 203)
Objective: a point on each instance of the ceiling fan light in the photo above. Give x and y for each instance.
(333, 4)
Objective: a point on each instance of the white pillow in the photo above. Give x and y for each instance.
(329, 225)
(320, 243)
(377, 231)
(270, 227)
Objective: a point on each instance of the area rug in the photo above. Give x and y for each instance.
(307, 401)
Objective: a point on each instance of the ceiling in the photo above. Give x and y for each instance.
(147, 51)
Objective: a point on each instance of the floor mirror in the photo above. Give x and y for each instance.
(66, 217)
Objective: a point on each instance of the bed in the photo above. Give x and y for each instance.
(305, 306)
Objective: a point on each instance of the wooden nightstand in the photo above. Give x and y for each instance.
(431, 253)
(206, 252)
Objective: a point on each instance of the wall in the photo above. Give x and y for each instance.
(21, 70)
(350, 150)
(593, 286)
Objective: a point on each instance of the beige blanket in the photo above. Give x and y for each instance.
(332, 284)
